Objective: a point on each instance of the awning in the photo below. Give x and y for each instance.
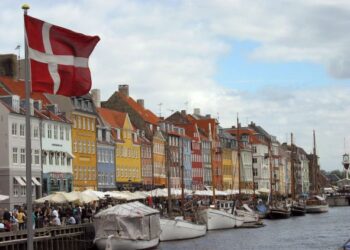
(25, 179)
(70, 155)
(20, 181)
(36, 181)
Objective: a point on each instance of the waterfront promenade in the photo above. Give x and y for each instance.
(313, 231)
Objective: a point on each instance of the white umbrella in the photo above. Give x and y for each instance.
(3, 197)
(77, 196)
(58, 197)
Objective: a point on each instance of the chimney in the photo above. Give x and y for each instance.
(141, 102)
(52, 108)
(197, 111)
(208, 116)
(124, 89)
(183, 112)
(8, 65)
(38, 104)
(96, 97)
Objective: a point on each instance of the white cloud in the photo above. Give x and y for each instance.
(168, 52)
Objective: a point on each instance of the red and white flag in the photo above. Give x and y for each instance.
(58, 58)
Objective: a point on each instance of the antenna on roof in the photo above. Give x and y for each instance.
(160, 109)
(18, 47)
(186, 105)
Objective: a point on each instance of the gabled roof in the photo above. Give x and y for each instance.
(17, 87)
(114, 118)
(146, 114)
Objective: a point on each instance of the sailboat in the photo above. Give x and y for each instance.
(179, 228)
(298, 207)
(277, 210)
(316, 203)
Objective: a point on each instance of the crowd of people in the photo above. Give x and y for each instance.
(46, 215)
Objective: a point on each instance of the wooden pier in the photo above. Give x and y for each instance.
(51, 238)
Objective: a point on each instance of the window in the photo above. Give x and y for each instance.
(49, 131)
(23, 155)
(254, 149)
(21, 129)
(79, 122)
(93, 148)
(15, 188)
(36, 156)
(255, 160)
(68, 161)
(75, 148)
(92, 125)
(51, 158)
(84, 147)
(55, 131)
(61, 132)
(80, 147)
(255, 172)
(67, 133)
(57, 159)
(14, 155)
(23, 191)
(36, 132)
(63, 160)
(14, 128)
(83, 122)
(88, 147)
(74, 122)
(88, 123)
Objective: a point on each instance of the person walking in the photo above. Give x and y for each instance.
(21, 218)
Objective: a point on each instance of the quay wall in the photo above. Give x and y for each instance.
(53, 238)
(335, 201)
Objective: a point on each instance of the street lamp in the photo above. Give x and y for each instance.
(346, 164)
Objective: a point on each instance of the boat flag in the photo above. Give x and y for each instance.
(58, 58)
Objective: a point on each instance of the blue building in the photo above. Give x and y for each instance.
(105, 157)
(187, 161)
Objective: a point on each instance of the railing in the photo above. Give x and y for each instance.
(51, 238)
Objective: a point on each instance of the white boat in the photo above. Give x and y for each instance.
(218, 219)
(248, 214)
(127, 226)
(180, 229)
(245, 212)
(316, 204)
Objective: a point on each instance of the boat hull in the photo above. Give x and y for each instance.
(298, 210)
(114, 243)
(180, 230)
(317, 208)
(247, 216)
(279, 214)
(216, 219)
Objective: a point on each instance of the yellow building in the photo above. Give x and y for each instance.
(235, 169)
(160, 179)
(128, 149)
(81, 111)
(227, 167)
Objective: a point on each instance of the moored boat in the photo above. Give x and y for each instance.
(180, 229)
(279, 212)
(316, 204)
(298, 209)
(127, 226)
(218, 219)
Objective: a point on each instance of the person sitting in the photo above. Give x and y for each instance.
(71, 220)
(55, 221)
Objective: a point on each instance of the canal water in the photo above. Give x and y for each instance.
(312, 231)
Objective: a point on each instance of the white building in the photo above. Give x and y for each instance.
(56, 150)
(13, 152)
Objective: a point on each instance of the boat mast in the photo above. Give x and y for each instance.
(292, 166)
(239, 158)
(270, 165)
(182, 179)
(168, 160)
(315, 167)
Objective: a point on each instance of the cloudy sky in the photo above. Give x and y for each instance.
(282, 64)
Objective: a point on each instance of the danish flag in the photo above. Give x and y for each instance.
(58, 58)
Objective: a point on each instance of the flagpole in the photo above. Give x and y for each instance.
(30, 232)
